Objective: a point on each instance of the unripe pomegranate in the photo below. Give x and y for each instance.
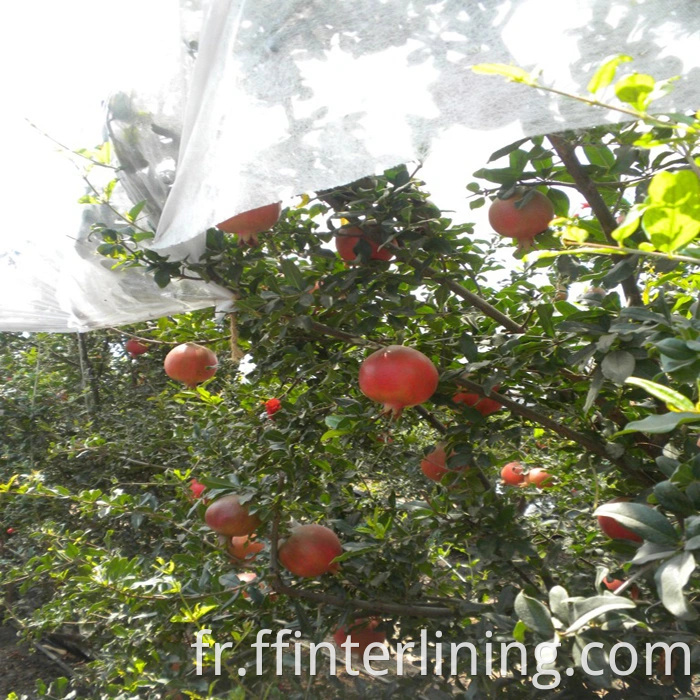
(361, 632)
(434, 464)
(615, 530)
(520, 218)
(540, 478)
(512, 474)
(190, 364)
(135, 347)
(398, 376)
(347, 238)
(483, 404)
(228, 517)
(244, 548)
(248, 224)
(310, 550)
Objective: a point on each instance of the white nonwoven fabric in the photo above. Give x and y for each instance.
(255, 101)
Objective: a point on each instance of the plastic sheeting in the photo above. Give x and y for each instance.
(250, 102)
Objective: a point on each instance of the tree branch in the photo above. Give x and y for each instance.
(567, 153)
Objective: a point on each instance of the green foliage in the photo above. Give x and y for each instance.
(99, 453)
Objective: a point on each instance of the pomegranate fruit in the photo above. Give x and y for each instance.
(483, 404)
(190, 364)
(615, 530)
(347, 238)
(196, 489)
(135, 347)
(272, 406)
(512, 474)
(228, 516)
(398, 376)
(310, 550)
(244, 547)
(522, 216)
(540, 478)
(434, 464)
(362, 632)
(615, 583)
(248, 224)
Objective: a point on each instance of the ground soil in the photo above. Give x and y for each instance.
(22, 666)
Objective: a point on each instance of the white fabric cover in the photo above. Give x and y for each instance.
(238, 103)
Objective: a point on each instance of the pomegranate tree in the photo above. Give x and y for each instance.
(522, 215)
(190, 364)
(309, 551)
(398, 376)
(248, 224)
(347, 238)
(228, 516)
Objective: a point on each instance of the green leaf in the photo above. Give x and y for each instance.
(586, 610)
(651, 551)
(292, 273)
(162, 278)
(135, 210)
(672, 219)
(670, 579)
(673, 399)
(594, 389)
(635, 90)
(506, 150)
(655, 425)
(606, 73)
(692, 544)
(643, 520)
(545, 313)
(618, 365)
(673, 499)
(629, 225)
(534, 614)
(558, 603)
(513, 73)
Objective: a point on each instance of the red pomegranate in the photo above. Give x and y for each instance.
(244, 548)
(398, 376)
(190, 364)
(196, 489)
(512, 474)
(347, 238)
(540, 478)
(135, 347)
(228, 517)
(362, 632)
(434, 464)
(614, 583)
(522, 216)
(310, 550)
(615, 530)
(483, 404)
(248, 224)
